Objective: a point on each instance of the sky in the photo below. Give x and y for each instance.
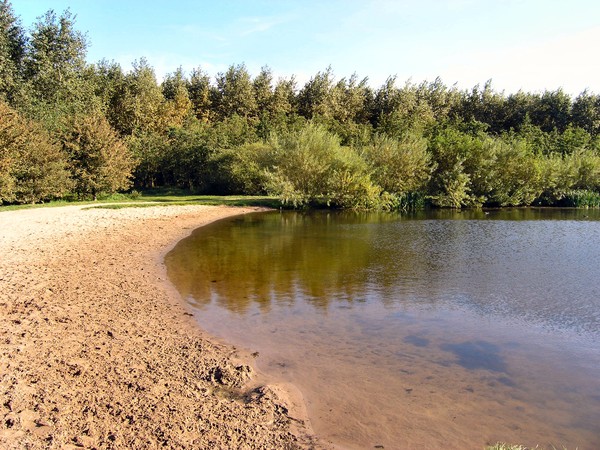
(529, 45)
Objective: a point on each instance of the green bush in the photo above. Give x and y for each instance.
(399, 166)
(580, 199)
(310, 166)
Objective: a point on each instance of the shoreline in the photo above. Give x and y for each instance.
(99, 350)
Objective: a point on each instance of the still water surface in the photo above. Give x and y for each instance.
(439, 329)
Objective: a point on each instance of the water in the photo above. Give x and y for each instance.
(439, 329)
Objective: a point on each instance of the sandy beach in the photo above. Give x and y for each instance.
(97, 350)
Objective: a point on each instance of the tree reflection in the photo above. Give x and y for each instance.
(491, 262)
(277, 257)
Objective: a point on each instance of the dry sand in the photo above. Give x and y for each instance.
(97, 350)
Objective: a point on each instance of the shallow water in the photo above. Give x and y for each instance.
(432, 330)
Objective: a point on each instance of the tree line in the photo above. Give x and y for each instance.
(73, 129)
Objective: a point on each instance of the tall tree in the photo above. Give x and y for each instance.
(199, 90)
(235, 93)
(313, 97)
(284, 96)
(12, 52)
(586, 112)
(55, 65)
(32, 167)
(349, 100)
(178, 106)
(108, 80)
(139, 106)
(552, 111)
(263, 90)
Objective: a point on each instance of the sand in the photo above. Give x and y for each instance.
(97, 349)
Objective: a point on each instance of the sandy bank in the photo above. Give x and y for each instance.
(98, 351)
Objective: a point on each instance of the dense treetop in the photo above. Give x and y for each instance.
(68, 127)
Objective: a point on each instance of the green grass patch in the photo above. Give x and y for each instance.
(175, 196)
(209, 200)
(157, 197)
(51, 204)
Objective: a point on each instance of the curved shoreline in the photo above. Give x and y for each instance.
(97, 349)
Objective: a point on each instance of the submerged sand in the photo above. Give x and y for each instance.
(97, 350)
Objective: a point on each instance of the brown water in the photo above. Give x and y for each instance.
(444, 329)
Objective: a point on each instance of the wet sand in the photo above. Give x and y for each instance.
(97, 350)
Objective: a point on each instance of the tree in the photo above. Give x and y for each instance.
(108, 82)
(451, 183)
(443, 102)
(552, 111)
(12, 52)
(138, 106)
(235, 93)
(398, 112)
(55, 67)
(32, 167)
(348, 99)
(586, 112)
(199, 91)
(513, 173)
(100, 162)
(517, 109)
(284, 96)
(313, 97)
(178, 106)
(263, 90)
(485, 106)
(150, 152)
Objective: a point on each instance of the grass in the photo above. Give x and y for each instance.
(51, 204)
(157, 197)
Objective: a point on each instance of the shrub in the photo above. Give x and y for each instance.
(310, 166)
(399, 166)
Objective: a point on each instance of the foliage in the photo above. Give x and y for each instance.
(13, 45)
(100, 161)
(580, 198)
(32, 166)
(399, 166)
(234, 93)
(55, 70)
(336, 142)
(243, 168)
(451, 183)
(150, 150)
(515, 174)
(311, 167)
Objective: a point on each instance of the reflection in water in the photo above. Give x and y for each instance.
(444, 328)
(478, 355)
(416, 340)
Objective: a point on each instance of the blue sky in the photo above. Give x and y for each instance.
(520, 44)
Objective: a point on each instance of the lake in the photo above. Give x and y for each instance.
(426, 330)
